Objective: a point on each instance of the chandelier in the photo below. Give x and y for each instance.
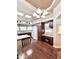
(41, 13)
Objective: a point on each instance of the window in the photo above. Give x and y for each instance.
(17, 28)
(22, 27)
(29, 28)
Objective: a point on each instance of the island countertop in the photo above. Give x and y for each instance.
(22, 36)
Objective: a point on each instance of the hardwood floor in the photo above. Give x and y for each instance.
(38, 50)
(59, 55)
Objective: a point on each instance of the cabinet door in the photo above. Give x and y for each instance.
(48, 40)
(51, 24)
(40, 30)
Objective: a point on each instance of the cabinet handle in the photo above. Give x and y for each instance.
(46, 40)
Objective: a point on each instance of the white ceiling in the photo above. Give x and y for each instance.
(27, 9)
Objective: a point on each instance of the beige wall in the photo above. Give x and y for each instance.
(57, 33)
(57, 26)
(57, 10)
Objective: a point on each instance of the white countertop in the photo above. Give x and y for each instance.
(18, 32)
(22, 36)
(50, 34)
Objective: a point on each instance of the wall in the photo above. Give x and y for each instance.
(57, 20)
(34, 32)
(57, 26)
(57, 33)
(57, 11)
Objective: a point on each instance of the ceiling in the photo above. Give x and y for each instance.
(40, 3)
(28, 7)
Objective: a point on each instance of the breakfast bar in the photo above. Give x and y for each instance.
(23, 37)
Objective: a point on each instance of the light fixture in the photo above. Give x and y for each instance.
(34, 14)
(38, 16)
(28, 16)
(40, 13)
(19, 13)
(43, 16)
(45, 12)
(24, 22)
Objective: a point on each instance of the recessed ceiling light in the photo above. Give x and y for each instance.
(28, 16)
(19, 13)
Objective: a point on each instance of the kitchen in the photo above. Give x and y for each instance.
(38, 29)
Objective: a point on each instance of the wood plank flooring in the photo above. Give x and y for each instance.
(38, 50)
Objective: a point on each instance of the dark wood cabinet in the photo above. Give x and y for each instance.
(41, 31)
(51, 24)
(48, 40)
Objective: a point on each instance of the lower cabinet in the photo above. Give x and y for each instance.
(47, 39)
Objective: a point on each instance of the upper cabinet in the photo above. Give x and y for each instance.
(51, 24)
